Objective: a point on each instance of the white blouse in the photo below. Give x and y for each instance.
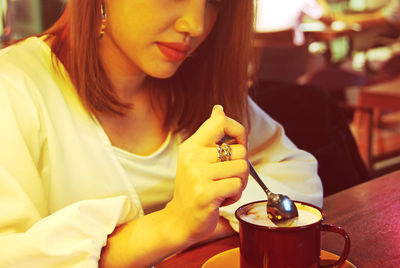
(152, 175)
(64, 188)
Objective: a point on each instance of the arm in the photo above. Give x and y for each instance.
(75, 235)
(29, 236)
(173, 241)
(202, 184)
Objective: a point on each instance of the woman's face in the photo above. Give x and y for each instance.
(155, 36)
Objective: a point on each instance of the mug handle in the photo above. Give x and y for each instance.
(346, 249)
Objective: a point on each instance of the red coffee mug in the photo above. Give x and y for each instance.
(299, 247)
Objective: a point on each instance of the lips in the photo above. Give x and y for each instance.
(173, 51)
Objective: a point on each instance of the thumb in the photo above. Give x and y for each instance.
(217, 110)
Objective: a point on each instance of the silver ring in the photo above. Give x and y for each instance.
(224, 152)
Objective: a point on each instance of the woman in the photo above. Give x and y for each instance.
(107, 138)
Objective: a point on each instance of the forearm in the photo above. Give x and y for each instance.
(144, 242)
(126, 248)
(192, 215)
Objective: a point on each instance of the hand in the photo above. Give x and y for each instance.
(202, 183)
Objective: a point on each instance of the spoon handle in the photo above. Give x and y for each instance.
(254, 174)
(229, 140)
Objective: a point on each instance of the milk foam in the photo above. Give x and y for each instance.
(258, 215)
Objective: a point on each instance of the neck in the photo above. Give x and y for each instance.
(127, 87)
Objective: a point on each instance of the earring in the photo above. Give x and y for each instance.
(103, 20)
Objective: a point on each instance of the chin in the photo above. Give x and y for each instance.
(161, 76)
(163, 73)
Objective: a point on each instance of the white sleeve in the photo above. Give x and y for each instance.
(282, 166)
(29, 237)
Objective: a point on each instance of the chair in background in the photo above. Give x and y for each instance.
(334, 80)
(314, 122)
(378, 143)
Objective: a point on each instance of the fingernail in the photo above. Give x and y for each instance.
(218, 107)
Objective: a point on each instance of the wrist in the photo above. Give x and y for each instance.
(176, 226)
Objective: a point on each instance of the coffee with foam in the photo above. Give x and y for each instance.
(264, 245)
(257, 214)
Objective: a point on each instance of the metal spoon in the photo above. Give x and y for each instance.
(280, 209)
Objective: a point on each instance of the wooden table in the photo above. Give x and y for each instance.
(369, 212)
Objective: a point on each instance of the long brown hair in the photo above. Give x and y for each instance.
(216, 73)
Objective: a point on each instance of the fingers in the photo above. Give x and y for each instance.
(227, 169)
(233, 177)
(200, 172)
(218, 126)
(229, 190)
(210, 154)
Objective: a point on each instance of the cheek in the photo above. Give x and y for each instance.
(129, 17)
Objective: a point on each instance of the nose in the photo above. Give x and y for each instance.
(192, 18)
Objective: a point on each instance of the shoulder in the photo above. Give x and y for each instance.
(31, 48)
(26, 68)
(30, 58)
(24, 72)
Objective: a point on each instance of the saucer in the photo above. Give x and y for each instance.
(231, 258)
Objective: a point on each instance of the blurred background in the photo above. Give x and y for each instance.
(20, 18)
(348, 49)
